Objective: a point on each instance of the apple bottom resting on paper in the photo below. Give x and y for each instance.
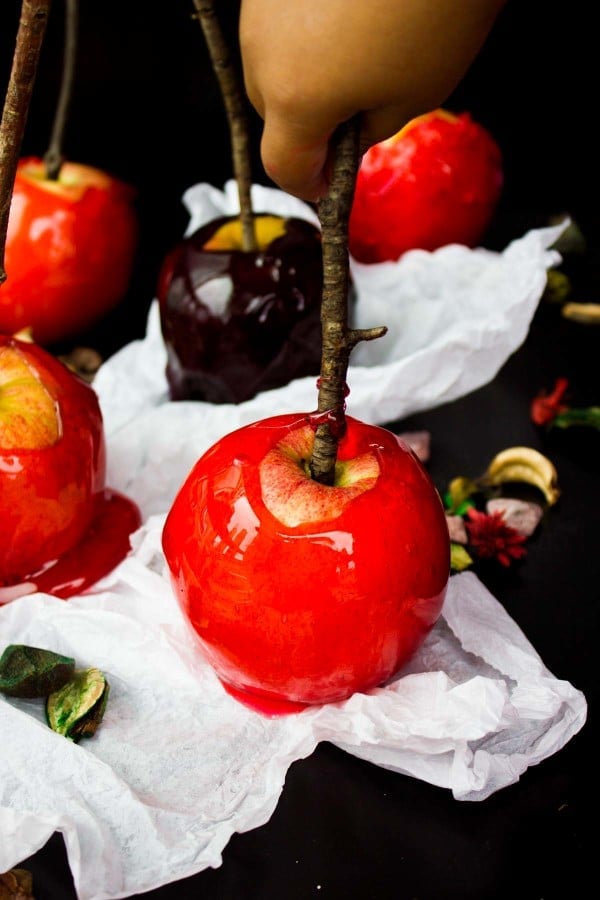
(301, 593)
(61, 528)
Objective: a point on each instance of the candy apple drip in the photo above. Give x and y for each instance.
(30, 35)
(338, 339)
(53, 158)
(236, 115)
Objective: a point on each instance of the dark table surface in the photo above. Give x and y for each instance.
(146, 109)
(344, 828)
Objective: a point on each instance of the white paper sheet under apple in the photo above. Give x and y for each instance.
(178, 766)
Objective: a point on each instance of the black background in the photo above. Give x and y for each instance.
(147, 109)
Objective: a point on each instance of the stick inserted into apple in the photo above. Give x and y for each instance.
(309, 551)
(240, 298)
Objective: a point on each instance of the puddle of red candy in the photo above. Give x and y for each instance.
(104, 546)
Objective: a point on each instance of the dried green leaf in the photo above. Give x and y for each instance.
(588, 416)
(32, 671)
(77, 709)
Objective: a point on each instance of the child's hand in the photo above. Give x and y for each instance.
(311, 65)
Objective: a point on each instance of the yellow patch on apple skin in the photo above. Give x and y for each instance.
(294, 498)
(73, 180)
(435, 114)
(229, 235)
(29, 417)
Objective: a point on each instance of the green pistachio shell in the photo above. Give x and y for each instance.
(77, 709)
(33, 672)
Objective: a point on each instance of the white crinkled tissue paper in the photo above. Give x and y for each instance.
(177, 765)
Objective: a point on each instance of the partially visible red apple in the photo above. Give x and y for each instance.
(436, 182)
(236, 322)
(301, 593)
(70, 250)
(62, 528)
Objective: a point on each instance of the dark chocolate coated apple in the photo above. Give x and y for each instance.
(237, 322)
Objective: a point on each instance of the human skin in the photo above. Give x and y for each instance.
(310, 66)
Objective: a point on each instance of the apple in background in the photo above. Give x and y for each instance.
(301, 593)
(436, 182)
(62, 528)
(236, 322)
(70, 250)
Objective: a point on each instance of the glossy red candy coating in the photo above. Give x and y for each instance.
(103, 546)
(47, 495)
(310, 613)
(70, 250)
(237, 322)
(437, 182)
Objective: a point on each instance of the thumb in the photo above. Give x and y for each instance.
(294, 157)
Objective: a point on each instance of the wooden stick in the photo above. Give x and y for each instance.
(30, 35)
(233, 99)
(338, 338)
(53, 158)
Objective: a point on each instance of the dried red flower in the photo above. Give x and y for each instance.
(491, 538)
(546, 407)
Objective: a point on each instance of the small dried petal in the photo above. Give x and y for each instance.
(545, 407)
(521, 515)
(419, 442)
(459, 558)
(457, 529)
(491, 538)
(77, 709)
(33, 672)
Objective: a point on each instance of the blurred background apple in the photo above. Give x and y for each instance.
(437, 181)
(70, 250)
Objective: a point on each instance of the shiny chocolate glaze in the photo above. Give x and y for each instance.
(236, 323)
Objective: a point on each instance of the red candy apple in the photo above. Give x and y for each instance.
(69, 252)
(436, 182)
(236, 322)
(299, 592)
(52, 475)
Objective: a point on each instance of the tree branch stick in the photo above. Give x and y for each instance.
(233, 99)
(30, 35)
(53, 158)
(338, 339)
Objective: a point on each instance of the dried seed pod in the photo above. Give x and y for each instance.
(32, 671)
(524, 464)
(16, 884)
(77, 709)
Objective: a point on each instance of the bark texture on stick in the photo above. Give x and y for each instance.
(30, 35)
(338, 338)
(235, 108)
(53, 158)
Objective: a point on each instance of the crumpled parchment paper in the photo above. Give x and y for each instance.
(177, 765)
(454, 317)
